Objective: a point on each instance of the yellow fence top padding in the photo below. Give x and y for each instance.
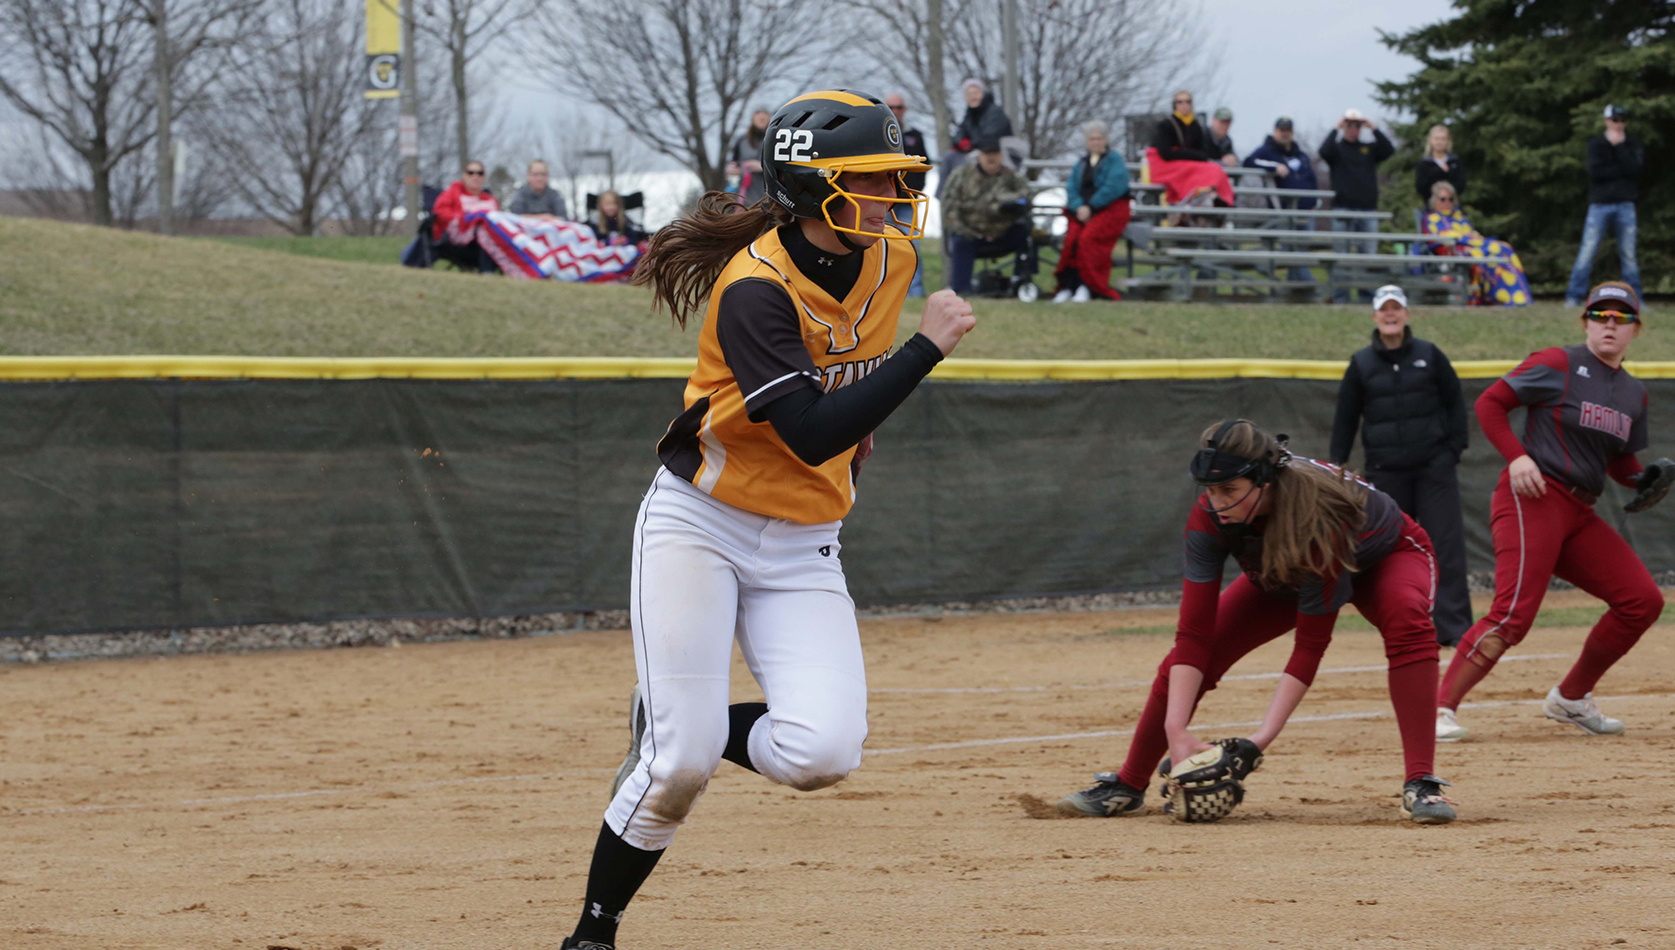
(590, 367)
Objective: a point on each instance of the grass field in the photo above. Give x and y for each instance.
(75, 290)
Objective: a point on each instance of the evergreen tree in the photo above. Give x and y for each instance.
(1522, 85)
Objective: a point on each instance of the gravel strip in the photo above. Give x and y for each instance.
(250, 638)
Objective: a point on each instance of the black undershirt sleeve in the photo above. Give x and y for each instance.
(818, 426)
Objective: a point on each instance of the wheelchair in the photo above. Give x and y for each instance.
(1000, 276)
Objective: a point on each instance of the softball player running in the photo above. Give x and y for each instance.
(738, 534)
(1310, 538)
(1586, 420)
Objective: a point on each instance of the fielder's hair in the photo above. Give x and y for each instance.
(1317, 511)
(685, 257)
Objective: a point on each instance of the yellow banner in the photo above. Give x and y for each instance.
(383, 49)
(606, 367)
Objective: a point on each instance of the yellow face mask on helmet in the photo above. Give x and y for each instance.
(815, 139)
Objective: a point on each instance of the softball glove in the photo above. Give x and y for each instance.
(1654, 483)
(1208, 786)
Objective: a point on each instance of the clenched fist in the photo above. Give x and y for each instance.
(947, 318)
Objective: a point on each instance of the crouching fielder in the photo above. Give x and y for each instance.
(738, 534)
(1310, 538)
(1586, 419)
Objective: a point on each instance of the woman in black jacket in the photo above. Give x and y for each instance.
(984, 119)
(1404, 396)
(1439, 164)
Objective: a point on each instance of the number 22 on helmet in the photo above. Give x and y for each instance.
(814, 139)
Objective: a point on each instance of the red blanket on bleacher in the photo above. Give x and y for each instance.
(1184, 181)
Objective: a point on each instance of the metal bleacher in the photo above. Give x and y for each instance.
(1254, 250)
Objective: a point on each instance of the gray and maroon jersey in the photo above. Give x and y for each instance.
(1583, 415)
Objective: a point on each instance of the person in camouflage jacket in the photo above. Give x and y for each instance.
(985, 213)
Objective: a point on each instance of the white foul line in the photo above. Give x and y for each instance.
(1132, 684)
(1336, 717)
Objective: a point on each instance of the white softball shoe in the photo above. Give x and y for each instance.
(1582, 713)
(1448, 727)
(1063, 296)
(1082, 295)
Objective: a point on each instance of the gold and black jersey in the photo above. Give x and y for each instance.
(770, 330)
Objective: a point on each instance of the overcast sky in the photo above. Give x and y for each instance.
(1309, 59)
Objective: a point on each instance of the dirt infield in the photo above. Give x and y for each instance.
(447, 796)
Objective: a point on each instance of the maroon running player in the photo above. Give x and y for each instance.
(1587, 418)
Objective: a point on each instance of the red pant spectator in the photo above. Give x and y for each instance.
(1085, 259)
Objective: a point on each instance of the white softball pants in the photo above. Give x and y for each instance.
(706, 572)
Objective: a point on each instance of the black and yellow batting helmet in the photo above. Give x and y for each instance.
(813, 139)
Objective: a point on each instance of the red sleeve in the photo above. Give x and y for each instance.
(446, 209)
(1199, 600)
(1625, 469)
(1314, 634)
(1203, 561)
(1537, 380)
(1492, 409)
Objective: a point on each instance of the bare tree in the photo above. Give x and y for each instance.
(683, 73)
(912, 56)
(1085, 59)
(369, 187)
(465, 28)
(293, 110)
(181, 31)
(79, 68)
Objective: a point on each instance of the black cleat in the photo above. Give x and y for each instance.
(1110, 797)
(1423, 801)
(571, 943)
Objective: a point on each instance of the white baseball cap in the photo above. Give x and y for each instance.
(1354, 114)
(1387, 293)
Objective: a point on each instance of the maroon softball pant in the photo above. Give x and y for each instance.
(1539, 538)
(1395, 597)
(1087, 247)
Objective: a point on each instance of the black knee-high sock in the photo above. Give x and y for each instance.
(740, 717)
(617, 872)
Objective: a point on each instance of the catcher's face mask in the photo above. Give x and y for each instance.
(1220, 472)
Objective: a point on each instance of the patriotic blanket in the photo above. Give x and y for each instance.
(532, 248)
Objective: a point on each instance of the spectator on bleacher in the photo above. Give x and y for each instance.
(1439, 164)
(1180, 159)
(1098, 206)
(1221, 144)
(1281, 156)
(610, 222)
(745, 162)
(1404, 396)
(985, 213)
(1614, 163)
(912, 143)
(1354, 163)
(461, 198)
(536, 200)
(1503, 284)
(983, 120)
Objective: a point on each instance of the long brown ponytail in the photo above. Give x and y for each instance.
(1317, 510)
(684, 258)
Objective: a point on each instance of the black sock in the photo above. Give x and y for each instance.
(740, 717)
(617, 872)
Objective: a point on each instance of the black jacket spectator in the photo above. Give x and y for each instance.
(981, 123)
(1178, 141)
(913, 143)
(1429, 173)
(1614, 170)
(1355, 169)
(1409, 399)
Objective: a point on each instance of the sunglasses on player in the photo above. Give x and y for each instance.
(1611, 316)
